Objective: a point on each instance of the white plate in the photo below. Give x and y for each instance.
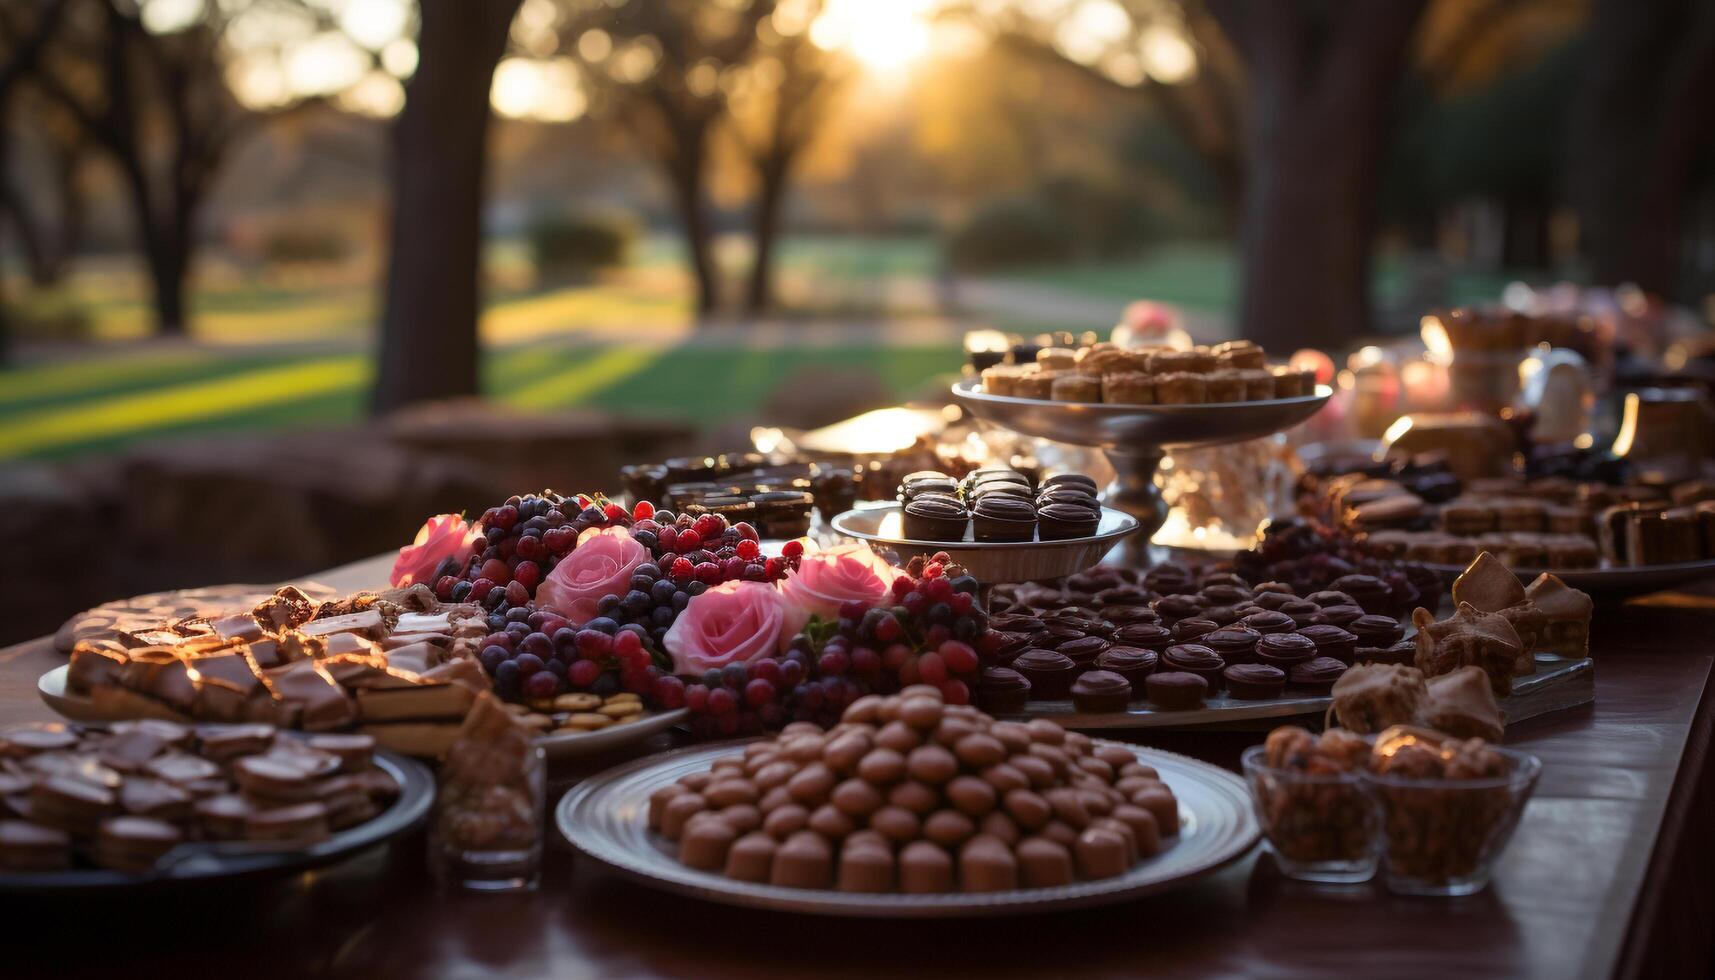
(882, 527)
(607, 815)
(559, 745)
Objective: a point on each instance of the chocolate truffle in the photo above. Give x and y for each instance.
(1254, 682)
(1175, 690)
(1100, 691)
(1195, 658)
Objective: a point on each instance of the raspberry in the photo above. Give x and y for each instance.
(683, 569)
(792, 548)
(643, 511)
(933, 570)
(773, 568)
(938, 589)
(614, 512)
(747, 549)
(902, 585)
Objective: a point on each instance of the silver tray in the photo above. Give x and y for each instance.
(51, 686)
(1129, 427)
(991, 561)
(231, 860)
(1612, 582)
(606, 817)
(1558, 683)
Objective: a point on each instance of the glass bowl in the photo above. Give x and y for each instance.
(1442, 836)
(1320, 827)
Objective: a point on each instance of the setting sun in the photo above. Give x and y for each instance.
(884, 35)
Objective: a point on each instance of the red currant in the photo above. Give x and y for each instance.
(643, 511)
(614, 512)
(747, 549)
(709, 526)
(956, 692)
(758, 692)
(444, 587)
(683, 569)
(480, 589)
(792, 548)
(697, 698)
(932, 668)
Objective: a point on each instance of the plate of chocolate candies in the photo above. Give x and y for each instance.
(911, 808)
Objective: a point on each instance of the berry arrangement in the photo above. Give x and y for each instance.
(930, 635)
(533, 655)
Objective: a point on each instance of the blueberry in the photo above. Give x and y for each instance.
(556, 667)
(603, 624)
(648, 569)
(641, 583)
(506, 672)
(605, 685)
(665, 517)
(518, 614)
(696, 587)
(662, 592)
(496, 622)
(607, 604)
(681, 600)
(735, 676)
(648, 540)
(527, 664)
(940, 613)
(636, 601)
(538, 644)
(662, 616)
(518, 631)
(964, 583)
(493, 656)
(642, 634)
(714, 678)
(565, 638)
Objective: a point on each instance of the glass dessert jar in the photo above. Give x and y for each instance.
(490, 808)
(1442, 834)
(1320, 826)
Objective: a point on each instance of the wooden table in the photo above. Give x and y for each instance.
(1611, 872)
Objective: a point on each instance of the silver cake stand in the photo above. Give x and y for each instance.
(1135, 437)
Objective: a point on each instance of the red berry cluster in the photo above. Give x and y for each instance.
(525, 537)
(707, 549)
(929, 635)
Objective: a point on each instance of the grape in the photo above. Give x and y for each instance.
(758, 693)
(722, 702)
(541, 686)
(492, 656)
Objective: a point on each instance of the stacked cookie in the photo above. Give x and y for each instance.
(1236, 371)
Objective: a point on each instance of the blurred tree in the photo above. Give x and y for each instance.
(1320, 75)
(1644, 116)
(158, 106)
(429, 344)
(779, 102)
(663, 68)
(23, 38)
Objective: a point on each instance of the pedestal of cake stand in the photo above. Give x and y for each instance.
(1135, 437)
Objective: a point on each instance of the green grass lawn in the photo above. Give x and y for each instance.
(106, 401)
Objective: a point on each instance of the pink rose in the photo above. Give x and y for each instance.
(825, 580)
(733, 622)
(600, 565)
(441, 537)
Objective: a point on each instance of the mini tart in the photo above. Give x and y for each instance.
(1128, 388)
(1259, 384)
(1316, 676)
(1135, 664)
(1254, 682)
(1175, 690)
(1086, 388)
(999, 516)
(1181, 388)
(1002, 690)
(935, 518)
(1100, 691)
(1050, 674)
(1060, 521)
(1225, 385)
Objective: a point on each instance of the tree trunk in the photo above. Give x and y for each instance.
(164, 252)
(1320, 81)
(429, 344)
(686, 173)
(1642, 119)
(765, 229)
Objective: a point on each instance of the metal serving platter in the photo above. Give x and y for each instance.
(1612, 583)
(990, 561)
(558, 745)
(229, 860)
(606, 817)
(1128, 427)
(1558, 683)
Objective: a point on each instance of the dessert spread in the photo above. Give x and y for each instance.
(124, 797)
(1235, 371)
(997, 504)
(910, 794)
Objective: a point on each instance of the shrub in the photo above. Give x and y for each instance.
(1019, 231)
(571, 246)
(295, 244)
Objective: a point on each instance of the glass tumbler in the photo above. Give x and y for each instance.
(487, 827)
(1320, 827)
(1442, 836)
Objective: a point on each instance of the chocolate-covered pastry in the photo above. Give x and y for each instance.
(1566, 616)
(1050, 674)
(1269, 622)
(1001, 690)
(1284, 650)
(1371, 697)
(1332, 641)
(1173, 608)
(1132, 663)
(998, 517)
(1194, 658)
(1225, 594)
(1186, 630)
(1077, 480)
(1175, 690)
(1331, 597)
(1254, 682)
(1235, 644)
(1370, 592)
(1316, 675)
(926, 481)
(935, 517)
(1402, 652)
(1168, 579)
(1059, 521)
(1301, 612)
(1270, 599)
(1099, 691)
(1342, 616)
(1084, 650)
(1127, 615)
(1462, 705)
(1376, 631)
(1149, 636)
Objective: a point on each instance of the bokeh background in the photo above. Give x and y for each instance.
(279, 277)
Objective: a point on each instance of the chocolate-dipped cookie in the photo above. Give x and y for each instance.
(1269, 622)
(1059, 521)
(1050, 674)
(1149, 636)
(1175, 690)
(1100, 691)
(1284, 650)
(1187, 630)
(1235, 644)
(1254, 682)
(1315, 676)
(1194, 658)
(1002, 691)
(1133, 663)
(1332, 641)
